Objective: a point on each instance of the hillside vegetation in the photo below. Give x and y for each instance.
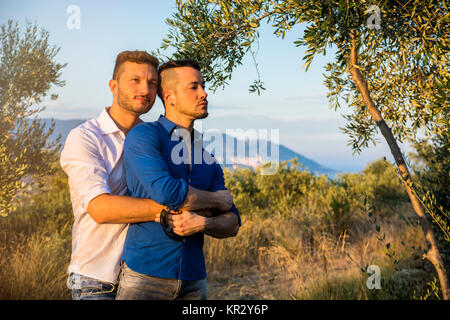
(302, 237)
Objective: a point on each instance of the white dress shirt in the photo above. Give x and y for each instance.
(92, 158)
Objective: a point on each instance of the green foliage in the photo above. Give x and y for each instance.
(47, 203)
(432, 173)
(404, 60)
(27, 73)
(398, 71)
(329, 205)
(404, 64)
(288, 216)
(230, 25)
(432, 291)
(384, 189)
(432, 168)
(36, 241)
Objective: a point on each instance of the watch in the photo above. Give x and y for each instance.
(164, 220)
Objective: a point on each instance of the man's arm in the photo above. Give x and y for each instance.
(89, 181)
(223, 225)
(145, 162)
(108, 208)
(197, 199)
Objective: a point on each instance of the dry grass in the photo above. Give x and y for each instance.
(34, 268)
(303, 237)
(34, 256)
(273, 259)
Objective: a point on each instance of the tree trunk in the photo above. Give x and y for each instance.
(432, 254)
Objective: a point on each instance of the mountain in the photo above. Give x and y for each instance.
(231, 152)
(62, 127)
(252, 153)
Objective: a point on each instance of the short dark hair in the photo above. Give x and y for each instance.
(175, 64)
(136, 57)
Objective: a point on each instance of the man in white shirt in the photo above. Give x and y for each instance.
(92, 159)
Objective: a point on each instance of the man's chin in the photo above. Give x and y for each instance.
(143, 109)
(202, 115)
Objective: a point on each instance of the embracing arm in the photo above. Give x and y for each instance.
(222, 226)
(89, 182)
(108, 208)
(145, 162)
(202, 200)
(214, 222)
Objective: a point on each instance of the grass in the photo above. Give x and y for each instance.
(34, 268)
(271, 258)
(276, 259)
(317, 244)
(35, 244)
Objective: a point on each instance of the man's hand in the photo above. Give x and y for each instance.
(187, 223)
(204, 213)
(222, 226)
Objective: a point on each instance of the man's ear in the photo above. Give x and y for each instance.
(168, 97)
(113, 86)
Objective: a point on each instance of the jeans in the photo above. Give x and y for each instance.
(85, 288)
(138, 286)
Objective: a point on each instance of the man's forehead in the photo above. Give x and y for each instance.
(129, 67)
(182, 74)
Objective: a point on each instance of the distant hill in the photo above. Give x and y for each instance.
(251, 158)
(62, 127)
(248, 153)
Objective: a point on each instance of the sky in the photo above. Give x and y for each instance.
(295, 101)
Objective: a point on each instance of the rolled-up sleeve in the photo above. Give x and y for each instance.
(146, 169)
(84, 167)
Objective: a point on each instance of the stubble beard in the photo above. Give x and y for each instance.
(126, 102)
(198, 115)
(202, 115)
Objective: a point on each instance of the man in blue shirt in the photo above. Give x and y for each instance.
(165, 161)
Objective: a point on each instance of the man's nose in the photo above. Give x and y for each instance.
(144, 88)
(203, 93)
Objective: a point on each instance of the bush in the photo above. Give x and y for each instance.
(35, 242)
(294, 224)
(330, 205)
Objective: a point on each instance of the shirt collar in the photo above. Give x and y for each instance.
(106, 123)
(170, 126)
(167, 124)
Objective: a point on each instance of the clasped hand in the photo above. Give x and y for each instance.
(186, 223)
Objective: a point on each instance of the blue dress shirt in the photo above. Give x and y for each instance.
(154, 166)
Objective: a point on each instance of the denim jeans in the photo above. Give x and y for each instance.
(138, 286)
(85, 288)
